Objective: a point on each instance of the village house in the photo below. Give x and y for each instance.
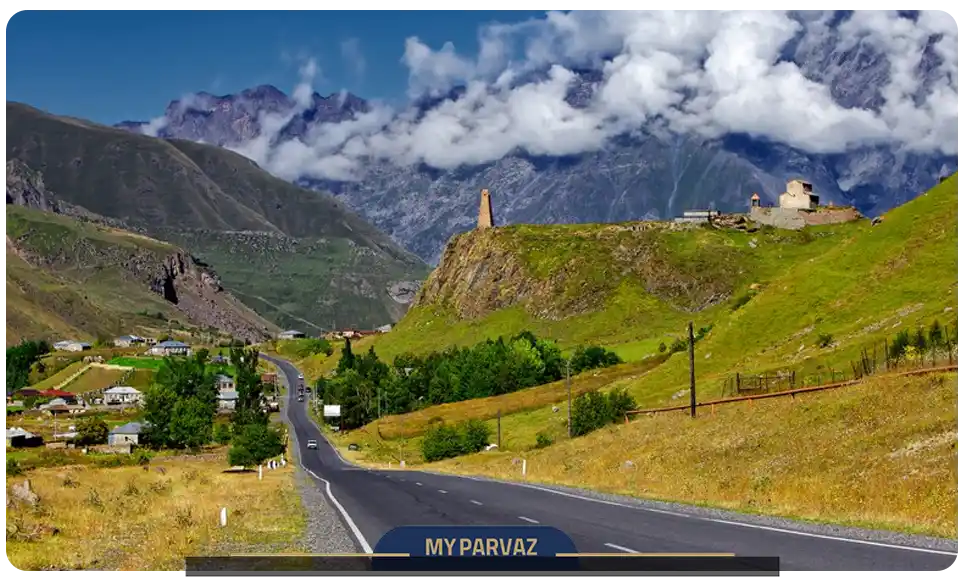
(384, 328)
(70, 345)
(799, 195)
(20, 438)
(128, 341)
(122, 394)
(170, 347)
(224, 382)
(227, 399)
(127, 434)
(59, 406)
(291, 334)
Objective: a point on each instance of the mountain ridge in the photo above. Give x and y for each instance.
(307, 253)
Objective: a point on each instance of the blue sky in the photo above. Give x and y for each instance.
(109, 66)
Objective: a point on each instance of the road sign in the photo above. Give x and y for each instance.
(332, 410)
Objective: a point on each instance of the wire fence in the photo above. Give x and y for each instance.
(872, 361)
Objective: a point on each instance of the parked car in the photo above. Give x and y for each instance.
(301, 398)
(312, 444)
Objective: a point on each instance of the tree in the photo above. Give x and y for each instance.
(222, 434)
(191, 424)
(181, 404)
(254, 444)
(19, 359)
(91, 431)
(250, 403)
(347, 360)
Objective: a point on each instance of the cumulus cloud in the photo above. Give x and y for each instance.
(706, 73)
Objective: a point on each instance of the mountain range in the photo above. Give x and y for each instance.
(640, 175)
(299, 258)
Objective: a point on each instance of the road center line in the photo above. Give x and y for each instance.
(530, 520)
(418, 483)
(442, 492)
(476, 502)
(621, 548)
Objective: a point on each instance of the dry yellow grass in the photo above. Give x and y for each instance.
(130, 519)
(881, 454)
(415, 423)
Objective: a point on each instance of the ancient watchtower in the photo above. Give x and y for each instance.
(485, 211)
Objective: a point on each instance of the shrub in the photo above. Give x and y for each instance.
(445, 441)
(824, 340)
(543, 440)
(91, 431)
(594, 410)
(222, 434)
(13, 467)
(662, 347)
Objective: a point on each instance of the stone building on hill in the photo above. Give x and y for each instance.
(799, 207)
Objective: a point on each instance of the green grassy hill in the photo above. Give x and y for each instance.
(299, 258)
(80, 280)
(808, 302)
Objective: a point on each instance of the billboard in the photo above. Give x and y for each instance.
(332, 410)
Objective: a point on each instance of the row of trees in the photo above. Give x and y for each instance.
(367, 387)
(19, 360)
(181, 404)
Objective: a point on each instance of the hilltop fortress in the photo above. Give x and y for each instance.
(798, 207)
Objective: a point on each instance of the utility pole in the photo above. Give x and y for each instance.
(498, 421)
(569, 389)
(692, 372)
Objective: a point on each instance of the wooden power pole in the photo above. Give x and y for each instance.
(569, 389)
(692, 372)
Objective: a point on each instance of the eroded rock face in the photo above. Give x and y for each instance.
(25, 187)
(404, 291)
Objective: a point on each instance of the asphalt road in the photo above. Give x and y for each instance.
(372, 502)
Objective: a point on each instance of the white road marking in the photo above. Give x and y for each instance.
(418, 483)
(530, 520)
(476, 502)
(702, 518)
(442, 492)
(622, 548)
(838, 538)
(344, 513)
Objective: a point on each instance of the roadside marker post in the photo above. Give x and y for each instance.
(224, 517)
(523, 468)
(260, 474)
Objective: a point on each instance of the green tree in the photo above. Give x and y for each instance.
(254, 444)
(191, 424)
(249, 407)
(19, 359)
(222, 434)
(91, 431)
(347, 360)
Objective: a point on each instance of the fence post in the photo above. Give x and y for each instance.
(692, 372)
(887, 354)
(499, 422)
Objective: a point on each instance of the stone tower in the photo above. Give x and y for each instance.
(485, 211)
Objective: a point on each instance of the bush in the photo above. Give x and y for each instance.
(13, 467)
(662, 347)
(91, 431)
(445, 441)
(543, 440)
(741, 301)
(222, 434)
(824, 340)
(254, 444)
(594, 410)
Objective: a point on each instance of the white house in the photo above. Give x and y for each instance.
(224, 382)
(127, 434)
(128, 340)
(291, 334)
(227, 399)
(70, 345)
(166, 348)
(122, 394)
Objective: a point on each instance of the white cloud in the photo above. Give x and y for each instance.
(708, 73)
(353, 57)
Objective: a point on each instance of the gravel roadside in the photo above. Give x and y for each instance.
(324, 531)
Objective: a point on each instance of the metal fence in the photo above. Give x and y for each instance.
(872, 361)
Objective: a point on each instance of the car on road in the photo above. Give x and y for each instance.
(301, 398)
(312, 444)
(301, 376)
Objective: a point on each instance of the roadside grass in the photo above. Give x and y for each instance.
(882, 454)
(415, 423)
(153, 363)
(132, 518)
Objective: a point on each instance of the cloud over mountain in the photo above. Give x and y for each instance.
(698, 73)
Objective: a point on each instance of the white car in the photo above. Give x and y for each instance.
(301, 376)
(312, 444)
